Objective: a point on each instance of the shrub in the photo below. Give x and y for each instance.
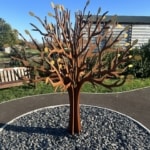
(141, 63)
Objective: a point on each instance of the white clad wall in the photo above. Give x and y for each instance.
(116, 32)
(142, 33)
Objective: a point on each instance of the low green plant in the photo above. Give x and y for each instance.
(25, 90)
(141, 63)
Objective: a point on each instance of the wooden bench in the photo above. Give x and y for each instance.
(10, 77)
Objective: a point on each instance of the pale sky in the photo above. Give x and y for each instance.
(16, 12)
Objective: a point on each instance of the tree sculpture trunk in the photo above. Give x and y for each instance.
(74, 120)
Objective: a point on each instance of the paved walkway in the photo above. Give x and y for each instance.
(136, 104)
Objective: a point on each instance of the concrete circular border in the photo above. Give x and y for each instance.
(124, 115)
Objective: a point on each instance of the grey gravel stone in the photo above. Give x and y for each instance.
(102, 129)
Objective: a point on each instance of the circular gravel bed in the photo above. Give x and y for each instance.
(102, 129)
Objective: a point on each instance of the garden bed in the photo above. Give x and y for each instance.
(101, 128)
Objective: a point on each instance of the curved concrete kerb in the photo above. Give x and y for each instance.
(51, 107)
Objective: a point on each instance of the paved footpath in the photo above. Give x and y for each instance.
(136, 104)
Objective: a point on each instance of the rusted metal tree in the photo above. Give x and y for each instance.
(71, 55)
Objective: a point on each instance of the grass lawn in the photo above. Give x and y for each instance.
(42, 88)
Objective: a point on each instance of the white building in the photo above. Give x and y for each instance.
(139, 28)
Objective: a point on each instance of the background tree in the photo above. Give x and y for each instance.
(8, 36)
(68, 57)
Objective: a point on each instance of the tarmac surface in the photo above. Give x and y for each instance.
(135, 104)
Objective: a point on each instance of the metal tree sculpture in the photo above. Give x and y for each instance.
(71, 55)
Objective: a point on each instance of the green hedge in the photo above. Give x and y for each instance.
(141, 63)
